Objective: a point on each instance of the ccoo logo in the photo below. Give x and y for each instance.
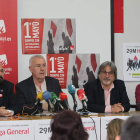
(72, 47)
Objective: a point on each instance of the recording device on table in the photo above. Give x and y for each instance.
(64, 98)
(82, 97)
(72, 90)
(56, 101)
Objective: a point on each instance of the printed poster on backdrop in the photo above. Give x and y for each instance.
(8, 39)
(131, 56)
(76, 69)
(48, 36)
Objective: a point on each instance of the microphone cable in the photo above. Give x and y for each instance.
(94, 127)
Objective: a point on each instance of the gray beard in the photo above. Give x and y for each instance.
(106, 83)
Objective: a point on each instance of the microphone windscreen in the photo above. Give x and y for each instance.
(47, 95)
(80, 91)
(81, 95)
(40, 96)
(54, 96)
(63, 96)
(71, 89)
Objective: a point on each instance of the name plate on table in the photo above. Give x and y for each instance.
(104, 123)
(92, 126)
(43, 130)
(15, 130)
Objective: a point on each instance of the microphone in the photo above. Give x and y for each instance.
(82, 97)
(47, 97)
(71, 90)
(64, 99)
(39, 98)
(56, 100)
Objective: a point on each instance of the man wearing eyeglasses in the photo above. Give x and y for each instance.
(28, 89)
(107, 93)
(7, 97)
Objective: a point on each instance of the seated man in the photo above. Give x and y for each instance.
(107, 93)
(7, 96)
(28, 89)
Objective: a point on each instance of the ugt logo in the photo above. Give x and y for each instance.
(2, 27)
(72, 47)
(3, 59)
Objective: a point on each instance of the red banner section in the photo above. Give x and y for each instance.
(57, 67)
(32, 32)
(8, 39)
(118, 16)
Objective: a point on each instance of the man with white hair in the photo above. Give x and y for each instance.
(28, 89)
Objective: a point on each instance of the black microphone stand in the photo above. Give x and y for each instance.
(75, 102)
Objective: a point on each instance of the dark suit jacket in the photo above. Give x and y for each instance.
(8, 98)
(26, 93)
(95, 95)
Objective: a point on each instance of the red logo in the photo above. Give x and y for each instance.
(72, 47)
(0, 95)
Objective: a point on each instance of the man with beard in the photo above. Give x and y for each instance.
(107, 93)
(7, 96)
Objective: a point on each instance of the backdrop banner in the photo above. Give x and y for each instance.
(76, 69)
(8, 39)
(48, 36)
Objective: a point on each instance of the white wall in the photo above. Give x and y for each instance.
(131, 35)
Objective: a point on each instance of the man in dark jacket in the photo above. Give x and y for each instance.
(7, 97)
(28, 89)
(107, 93)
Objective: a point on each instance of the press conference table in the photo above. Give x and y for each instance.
(131, 113)
(38, 127)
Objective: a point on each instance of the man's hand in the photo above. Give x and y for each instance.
(116, 108)
(4, 112)
(45, 106)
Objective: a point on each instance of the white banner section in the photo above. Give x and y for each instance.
(42, 128)
(104, 123)
(16, 130)
(92, 126)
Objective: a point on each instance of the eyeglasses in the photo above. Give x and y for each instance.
(2, 70)
(38, 66)
(109, 73)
